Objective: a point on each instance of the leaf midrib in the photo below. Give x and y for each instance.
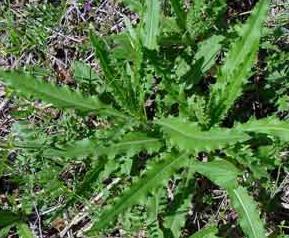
(246, 212)
(123, 144)
(200, 137)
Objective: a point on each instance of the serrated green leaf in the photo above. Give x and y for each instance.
(130, 144)
(102, 53)
(90, 178)
(151, 19)
(205, 58)
(156, 176)
(206, 232)
(189, 137)
(249, 217)
(122, 80)
(225, 175)
(238, 64)
(250, 34)
(207, 51)
(221, 172)
(61, 97)
(271, 126)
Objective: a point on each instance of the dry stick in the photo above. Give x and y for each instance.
(57, 60)
(78, 11)
(101, 6)
(39, 221)
(50, 210)
(89, 57)
(282, 184)
(82, 215)
(16, 61)
(65, 36)
(29, 59)
(220, 206)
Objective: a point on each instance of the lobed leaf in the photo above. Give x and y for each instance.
(61, 97)
(8, 218)
(132, 143)
(153, 207)
(82, 71)
(208, 50)
(90, 178)
(271, 126)
(239, 61)
(189, 137)
(176, 216)
(205, 58)
(102, 53)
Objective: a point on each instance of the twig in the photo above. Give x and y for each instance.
(50, 210)
(282, 184)
(39, 221)
(58, 60)
(101, 6)
(65, 36)
(77, 10)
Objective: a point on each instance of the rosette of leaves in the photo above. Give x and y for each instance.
(139, 73)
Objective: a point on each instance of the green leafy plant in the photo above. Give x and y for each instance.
(151, 106)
